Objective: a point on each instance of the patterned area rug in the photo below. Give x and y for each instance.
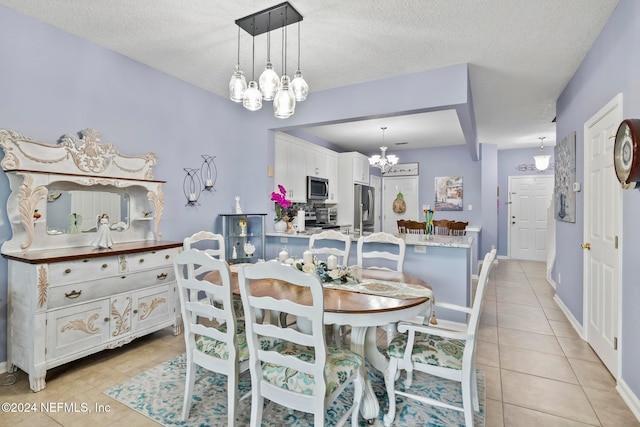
(158, 393)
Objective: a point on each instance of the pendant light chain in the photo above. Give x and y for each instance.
(298, 45)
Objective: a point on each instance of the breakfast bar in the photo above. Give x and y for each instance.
(445, 262)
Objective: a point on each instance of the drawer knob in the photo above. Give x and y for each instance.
(135, 311)
(104, 265)
(106, 319)
(162, 276)
(141, 260)
(73, 294)
(85, 260)
(123, 277)
(167, 256)
(67, 271)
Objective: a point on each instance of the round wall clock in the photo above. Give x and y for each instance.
(626, 153)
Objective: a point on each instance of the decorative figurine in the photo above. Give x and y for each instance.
(238, 208)
(234, 254)
(249, 249)
(103, 238)
(243, 227)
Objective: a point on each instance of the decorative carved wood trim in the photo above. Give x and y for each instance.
(157, 199)
(79, 325)
(28, 199)
(147, 309)
(43, 286)
(122, 319)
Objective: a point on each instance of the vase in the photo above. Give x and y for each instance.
(289, 226)
(280, 227)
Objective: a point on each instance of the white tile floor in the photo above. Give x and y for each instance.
(538, 371)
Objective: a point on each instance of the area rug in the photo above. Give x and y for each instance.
(158, 394)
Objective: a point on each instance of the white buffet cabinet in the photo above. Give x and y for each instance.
(66, 298)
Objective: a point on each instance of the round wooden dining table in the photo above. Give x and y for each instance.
(363, 312)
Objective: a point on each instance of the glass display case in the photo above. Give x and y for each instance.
(244, 237)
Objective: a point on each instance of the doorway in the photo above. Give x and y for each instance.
(529, 199)
(408, 186)
(602, 233)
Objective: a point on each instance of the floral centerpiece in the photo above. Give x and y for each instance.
(428, 215)
(339, 276)
(284, 207)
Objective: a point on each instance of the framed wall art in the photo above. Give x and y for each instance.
(448, 193)
(403, 169)
(565, 176)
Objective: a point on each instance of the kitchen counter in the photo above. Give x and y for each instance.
(410, 239)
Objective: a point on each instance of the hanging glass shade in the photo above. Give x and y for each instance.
(299, 86)
(284, 103)
(269, 82)
(237, 85)
(252, 100)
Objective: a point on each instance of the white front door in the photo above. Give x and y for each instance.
(408, 186)
(602, 228)
(529, 198)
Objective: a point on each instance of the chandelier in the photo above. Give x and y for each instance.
(383, 162)
(283, 91)
(541, 159)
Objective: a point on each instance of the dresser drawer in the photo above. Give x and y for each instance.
(61, 273)
(76, 293)
(153, 259)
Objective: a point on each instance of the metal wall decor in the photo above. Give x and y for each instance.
(208, 173)
(192, 186)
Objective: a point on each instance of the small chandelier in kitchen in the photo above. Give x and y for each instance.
(283, 91)
(383, 162)
(541, 159)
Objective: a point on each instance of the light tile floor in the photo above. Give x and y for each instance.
(538, 371)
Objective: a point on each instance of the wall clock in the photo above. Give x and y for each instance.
(626, 153)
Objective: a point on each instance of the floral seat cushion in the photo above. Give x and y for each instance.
(219, 349)
(341, 365)
(236, 301)
(430, 349)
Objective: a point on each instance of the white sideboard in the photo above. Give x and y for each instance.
(66, 298)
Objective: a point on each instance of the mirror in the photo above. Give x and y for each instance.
(78, 211)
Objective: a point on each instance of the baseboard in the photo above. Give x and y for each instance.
(502, 257)
(629, 398)
(552, 283)
(576, 325)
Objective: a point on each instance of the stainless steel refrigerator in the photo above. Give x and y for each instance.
(364, 203)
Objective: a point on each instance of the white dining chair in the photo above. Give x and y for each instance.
(331, 242)
(206, 238)
(298, 370)
(389, 249)
(445, 350)
(213, 338)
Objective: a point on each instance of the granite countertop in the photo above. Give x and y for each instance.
(410, 239)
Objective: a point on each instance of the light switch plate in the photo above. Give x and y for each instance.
(576, 186)
(469, 208)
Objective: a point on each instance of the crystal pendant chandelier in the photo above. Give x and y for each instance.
(541, 159)
(382, 161)
(282, 90)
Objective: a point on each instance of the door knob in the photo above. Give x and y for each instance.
(586, 246)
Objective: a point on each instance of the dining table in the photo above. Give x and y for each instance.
(364, 312)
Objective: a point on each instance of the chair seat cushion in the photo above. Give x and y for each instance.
(430, 349)
(219, 349)
(341, 365)
(237, 307)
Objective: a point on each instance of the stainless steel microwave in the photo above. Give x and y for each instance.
(317, 188)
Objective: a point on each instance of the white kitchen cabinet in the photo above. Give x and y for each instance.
(316, 163)
(291, 170)
(332, 175)
(67, 299)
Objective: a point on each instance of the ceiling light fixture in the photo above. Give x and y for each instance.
(383, 162)
(238, 84)
(281, 90)
(541, 159)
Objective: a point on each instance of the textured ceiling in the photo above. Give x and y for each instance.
(521, 53)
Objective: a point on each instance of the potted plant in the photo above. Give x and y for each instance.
(284, 209)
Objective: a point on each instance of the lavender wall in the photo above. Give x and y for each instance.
(610, 67)
(489, 207)
(53, 83)
(508, 162)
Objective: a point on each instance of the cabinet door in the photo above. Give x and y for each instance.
(281, 164)
(316, 163)
(360, 169)
(297, 188)
(332, 176)
(153, 306)
(77, 328)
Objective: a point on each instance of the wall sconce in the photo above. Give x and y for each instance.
(192, 187)
(208, 173)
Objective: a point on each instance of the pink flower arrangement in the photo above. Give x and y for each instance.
(283, 205)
